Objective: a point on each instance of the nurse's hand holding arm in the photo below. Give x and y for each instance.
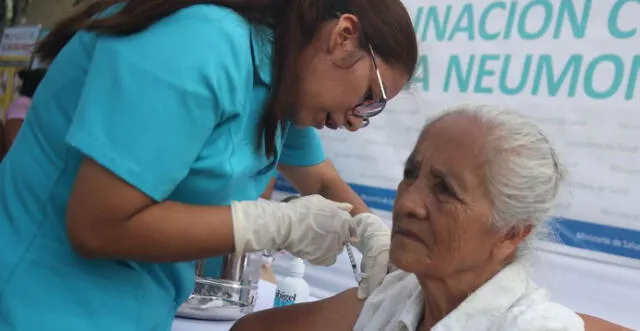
(319, 238)
(372, 235)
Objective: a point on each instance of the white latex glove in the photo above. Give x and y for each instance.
(311, 227)
(373, 238)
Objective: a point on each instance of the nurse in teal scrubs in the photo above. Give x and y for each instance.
(158, 126)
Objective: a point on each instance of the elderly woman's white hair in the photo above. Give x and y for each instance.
(523, 174)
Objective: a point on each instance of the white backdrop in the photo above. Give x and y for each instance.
(572, 65)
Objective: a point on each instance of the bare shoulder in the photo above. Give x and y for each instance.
(336, 313)
(593, 323)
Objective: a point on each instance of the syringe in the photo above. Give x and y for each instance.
(354, 265)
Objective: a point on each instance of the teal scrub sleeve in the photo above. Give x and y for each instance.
(302, 148)
(151, 101)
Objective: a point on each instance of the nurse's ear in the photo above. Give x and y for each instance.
(344, 42)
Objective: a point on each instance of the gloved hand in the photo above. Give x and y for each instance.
(311, 227)
(373, 241)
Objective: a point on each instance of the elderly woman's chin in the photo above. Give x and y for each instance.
(409, 255)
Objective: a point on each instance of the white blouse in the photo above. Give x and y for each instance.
(509, 301)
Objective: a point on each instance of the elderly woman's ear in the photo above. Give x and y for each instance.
(512, 238)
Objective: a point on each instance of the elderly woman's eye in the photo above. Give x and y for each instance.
(441, 187)
(410, 173)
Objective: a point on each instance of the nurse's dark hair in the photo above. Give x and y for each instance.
(386, 25)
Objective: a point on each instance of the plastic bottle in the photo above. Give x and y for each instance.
(292, 288)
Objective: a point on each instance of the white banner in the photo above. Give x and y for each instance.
(19, 41)
(574, 66)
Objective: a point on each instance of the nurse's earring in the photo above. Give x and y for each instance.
(352, 127)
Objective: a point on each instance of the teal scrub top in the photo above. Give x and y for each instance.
(173, 111)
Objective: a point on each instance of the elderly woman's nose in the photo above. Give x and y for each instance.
(410, 204)
(352, 122)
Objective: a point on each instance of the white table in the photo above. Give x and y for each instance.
(266, 292)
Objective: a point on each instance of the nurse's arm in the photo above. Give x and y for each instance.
(108, 218)
(337, 313)
(323, 179)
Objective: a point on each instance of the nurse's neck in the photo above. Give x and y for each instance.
(445, 293)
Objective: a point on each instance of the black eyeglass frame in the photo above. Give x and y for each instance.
(377, 105)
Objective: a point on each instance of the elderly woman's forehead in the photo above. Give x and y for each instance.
(461, 128)
(455, 144)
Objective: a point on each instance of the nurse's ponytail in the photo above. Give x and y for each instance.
(386, 24)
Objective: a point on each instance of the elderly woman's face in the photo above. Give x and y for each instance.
(443, 209)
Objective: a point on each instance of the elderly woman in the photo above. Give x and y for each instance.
(477, 187)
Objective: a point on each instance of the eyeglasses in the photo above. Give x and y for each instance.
(371, 108)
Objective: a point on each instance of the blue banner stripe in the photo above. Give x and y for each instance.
(374, 197)
(597, 237)
(570, 232)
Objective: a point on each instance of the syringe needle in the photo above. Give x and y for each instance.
(354, 266)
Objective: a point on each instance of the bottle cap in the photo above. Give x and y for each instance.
(297, 267)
